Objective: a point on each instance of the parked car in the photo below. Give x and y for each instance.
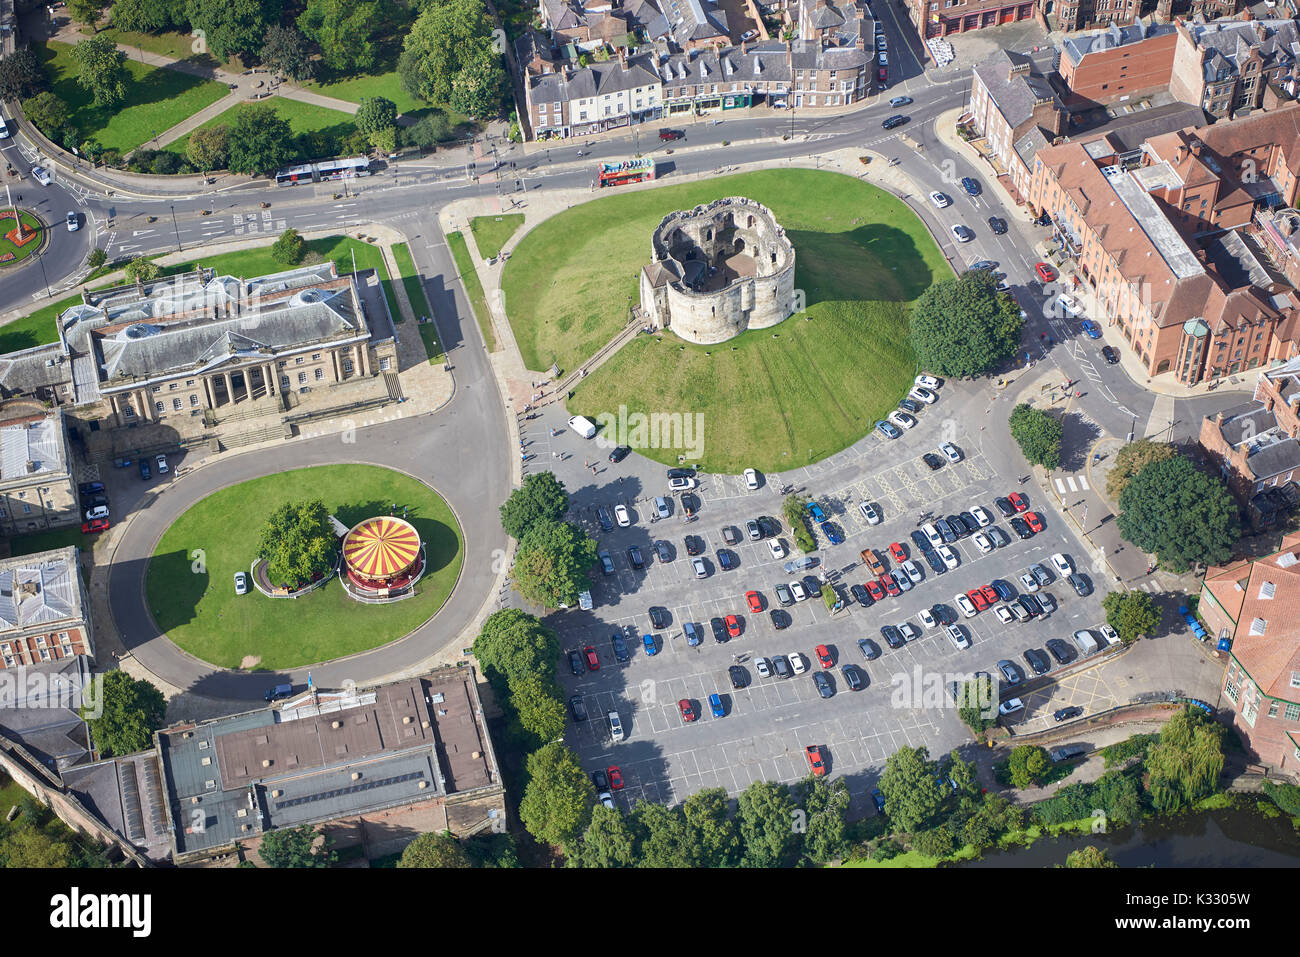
(650, 647)
(575, 662)
(966, 605)
(763, 667)
(853, 677)
(95, 525)
(1045, 272)
(888, 429)
(733, 626)
(1090, 329)
(1037, 661)
(619, 453)
(661, 507)
(1061, 651)
(1011, 706)
(739, 677)
(755, 601)
(1065, 714)
(870, 650)
(958, 635)
(1081, 584)
(1009, 672)
(658, 618)
(715, 705)
(578, 708)
(751, 479)
(1109, 354)
(241, 583)
(816, 763)
(692, 633)
(622, 515)
(687, 709)
(634, 557)
(1064, 567)
(869, 512)
(145, 471)
(950, 452)
(824, 686)
(783, 594)
(669, 135)
(620, 647)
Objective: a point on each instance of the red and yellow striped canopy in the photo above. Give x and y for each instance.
(381, 547)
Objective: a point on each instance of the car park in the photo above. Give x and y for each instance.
(578, 709)
(940, 200)
(958, 635)
(1037, 661)
(966, 605)
(869, 512)
(1010, 673)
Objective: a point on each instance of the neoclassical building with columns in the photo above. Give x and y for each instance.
(169, 350)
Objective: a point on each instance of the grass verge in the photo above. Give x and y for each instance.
(492, 232)
(473, 288)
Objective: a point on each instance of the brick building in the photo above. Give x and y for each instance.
(1016, 112)
(1256, 444)
(943, 18)
(1090, 14)
(44, 609)
(1119, 63)
(1257, 605)
(37, 490)
(1227, 66)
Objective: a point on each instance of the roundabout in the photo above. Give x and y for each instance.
(21, 239)
(189, 581)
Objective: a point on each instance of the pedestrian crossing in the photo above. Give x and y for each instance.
(1069, 483)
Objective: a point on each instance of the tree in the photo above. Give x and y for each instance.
(126, 715)
(87, 12)
(607, 842)
(1131, 613)
(101, 70)
(428, 131)
(492, 849)
(826, 837)
(209, 147)
(284, 50)
(298, 542)
(936, 842)
(479, 87)
(142, 270)
(551, 563)
(713, 829)
(449, 43)
(557, 801)
(384, 140)
(260, 140)
(541, 708)
(29, 846)
(343, 30)
(911, 793)
(1184, 766)
(46, 111)
(542, 497)
(1027, 765)
(376, 115)
(293, 847)
(1180, 513)
(97, 258)
(289, 248)
(963, 775)
(964, 326)
(148, 16)
(21, 76)
(1132, 459)
(1089, 856)
(975, 704)
(435, 850)
(232, 27)
(516, 644)
(767, 825)
(1037, 434)
(663, 837)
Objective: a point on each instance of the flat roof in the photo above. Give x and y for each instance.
(1178, 256)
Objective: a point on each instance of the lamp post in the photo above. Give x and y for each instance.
(176, 229)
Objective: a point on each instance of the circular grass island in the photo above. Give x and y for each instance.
(192, 596)
(770, 399)
(16, 247)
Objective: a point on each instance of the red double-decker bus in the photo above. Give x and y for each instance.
(627, 171)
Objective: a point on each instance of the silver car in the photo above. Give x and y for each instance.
(701, 571)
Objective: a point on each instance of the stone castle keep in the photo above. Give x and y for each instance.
(718, 270)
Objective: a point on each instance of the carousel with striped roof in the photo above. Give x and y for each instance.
(383, 558)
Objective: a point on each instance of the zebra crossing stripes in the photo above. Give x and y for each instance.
(1069, 483)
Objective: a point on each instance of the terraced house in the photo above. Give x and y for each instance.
(1227, 66)
(37, 490)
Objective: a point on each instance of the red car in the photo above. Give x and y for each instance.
(888, 583)
(615, 778)
(899, 553)
(94, 525)
(1045, 272)
(990, 594)
(977, 599)
(688, 713)
(755, 602)
(593, 660)
(874, 589)
(1018, 501)
(733, 626)
(1035, 521)
(815, 762)
(824, 656)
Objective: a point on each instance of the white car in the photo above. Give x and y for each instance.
(41, 175)
(748, 35)
(909, 631)
(763, 667)
(882, 56)
(922, 395)
(1110, 634)
(913, 571)
(904, 583)
(940, 200)
(958, 635)
(901, 419)
(983, 542)
(796, 589)
(1028, 582)
(797, 662)
(621, 516)
(1063, 566)
(73, 222)
(881, 43)
(99, 511)
(776, 548)
(1011, 706)
(869, 513)
(681, 484)
(932, 534)
(961, 233)
(949, 556)
(751, 479)
(982, 516)
(965, 605)
(1069, 306)
(927, 618)
(950, 452)
(1004, 614)
(241, 583)
(607, 799)
(700, 570)
(927, 382)
(162, 464)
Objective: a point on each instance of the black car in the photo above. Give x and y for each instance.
(935, 562)
(1081, 585)
(861, 595)
(946, 533)
(852, 677)
(823, 683)
(768, 526)
(634, 556)
(575, 663)
(971, 522)
(658, 618)
(681, 473)
(91, 488)
(578, 708)
(1030, 604)
(1021, 528)
(957, 525)
(600, 779)
(606, 523)
(870, 650)
(726, 559)
(910, 405)
(664, 552)
(898, 119)
(739, 676)
(1005, 507)
(779, 618)
(620, 647)
(694, 545)
(1065, 714)
(719, 630)
(944, 615)
(812, 586)
(893, 637)
(1109, 354)
(933, 462)
(1060, 650)
(921, 542)
(1037, 660)
(999, 226)
(619, 454)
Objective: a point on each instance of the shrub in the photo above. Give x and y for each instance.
(289, 248)
(1121, 751)
(1285, 796)
(165, 164)
(97, 258)
(936, 842)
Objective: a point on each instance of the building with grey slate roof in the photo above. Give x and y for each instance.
(36, 484)
(44, 609)
(372, 766)
(1008, 101)
(40, 710)
(1226, 66)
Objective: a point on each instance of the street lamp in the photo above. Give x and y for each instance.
(175, 228)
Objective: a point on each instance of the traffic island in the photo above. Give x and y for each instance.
(22, 235)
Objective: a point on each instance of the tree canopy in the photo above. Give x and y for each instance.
(344, 30)
(1131, 613)
(538, 701)
(516, 645)
(284, 50)
(1089, 856)
(766, 815)
(47, 111)
(1027, 765)
(1185, 764)
(608, 841)
(1132, 459)
(129, 712)
(1180, 513)
(298, 542)
(87, 12)
(449, 57)
(1038, 435)
(21, 75)
(911, 792)
(101, 69)
(148, 16)
(557, 801)
(289, 248)
(293, 847)
(435, 850)
(964, 327)
(542, 497)
(664, 837)
(552, 562)
(231, 27)
(208, 147)
(261, 141)
(714, 830)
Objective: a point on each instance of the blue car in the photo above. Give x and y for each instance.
(715, 705)
(922, 543)
(725, 561)
(879, 799)
(833, 534)
(888, 429)
(650, 648)
(144, 469)
(971, 186)
(692, 633)
(1091, 329)
(816, 511)
(1003, 589)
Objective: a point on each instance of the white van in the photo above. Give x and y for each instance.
(583, 426)
(1085, 642)
(4, 130)
(615, 726)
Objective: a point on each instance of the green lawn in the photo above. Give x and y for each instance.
(473, 288)
(411, 280)
(302, 118)
(202, 614)
(157, 99)
(55, 538)
(178, 46)
(492, 232)
(387, 85)
(36, 329)
(770, 399)
(11, 254)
